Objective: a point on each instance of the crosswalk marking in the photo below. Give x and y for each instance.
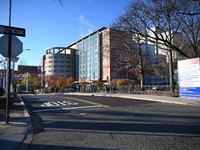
(58, 103)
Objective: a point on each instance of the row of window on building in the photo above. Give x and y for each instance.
(62, 70)
(58, 66)
(58, 61)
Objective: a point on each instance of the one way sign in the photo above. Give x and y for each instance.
(12, 30)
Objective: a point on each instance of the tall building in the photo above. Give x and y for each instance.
(88, 54)
(102, 54)
(59, 61)
(98, 54)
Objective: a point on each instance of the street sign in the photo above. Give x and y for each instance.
(12, 30)
(17, 46)
(189, 78)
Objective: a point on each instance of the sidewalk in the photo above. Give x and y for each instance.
(12, 135)
(19, 129)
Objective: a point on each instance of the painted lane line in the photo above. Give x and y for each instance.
(46, 110)
(85, 101)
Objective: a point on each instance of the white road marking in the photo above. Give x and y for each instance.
(58, 103)
(47, 104)
(62, 103)
(46, 110)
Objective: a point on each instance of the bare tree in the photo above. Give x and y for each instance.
(168, 22)
(162, 24)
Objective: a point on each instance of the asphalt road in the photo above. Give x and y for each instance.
(101, 123)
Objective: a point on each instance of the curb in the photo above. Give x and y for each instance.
(28, 137)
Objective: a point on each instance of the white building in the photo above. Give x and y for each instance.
(157, 48)
(59, 61)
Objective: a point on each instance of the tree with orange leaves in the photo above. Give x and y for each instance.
(83, 82)
(61, 81)
(37, 81)
(98, 83)
(70, 81)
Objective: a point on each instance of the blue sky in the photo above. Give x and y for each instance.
(48, 24)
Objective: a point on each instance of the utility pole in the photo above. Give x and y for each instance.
(8, 68)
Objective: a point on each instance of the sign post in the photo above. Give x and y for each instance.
(10, 31)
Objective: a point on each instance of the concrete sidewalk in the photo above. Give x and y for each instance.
(18, 130)
(18, 133)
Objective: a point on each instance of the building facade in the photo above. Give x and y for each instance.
(100, 55)
(59, 61)
(31, 70)
(88, 54)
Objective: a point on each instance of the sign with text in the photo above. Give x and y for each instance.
(12, 30)
(189, 78)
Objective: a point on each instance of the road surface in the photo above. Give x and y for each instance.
(102, 123)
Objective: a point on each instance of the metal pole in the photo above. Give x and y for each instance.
(27, 83)
(171, 74)
(8, 68)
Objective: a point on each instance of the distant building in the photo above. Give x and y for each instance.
(59, 61)
(31, 70)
